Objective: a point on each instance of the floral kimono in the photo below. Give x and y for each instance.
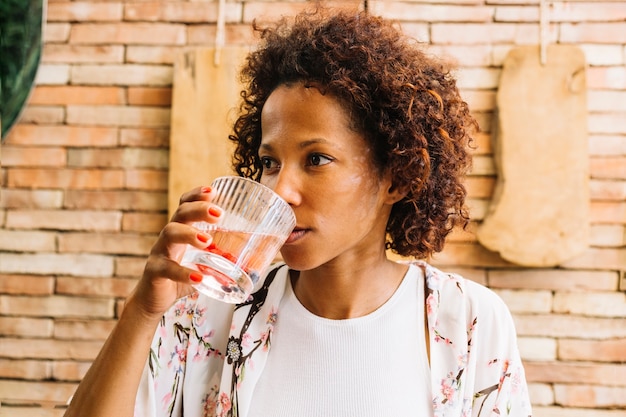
(207, 355)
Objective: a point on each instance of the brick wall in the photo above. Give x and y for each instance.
(84, 187)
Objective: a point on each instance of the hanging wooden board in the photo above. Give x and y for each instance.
(539, 212)
(204, 98)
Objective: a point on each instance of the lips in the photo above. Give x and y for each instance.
(295, 235)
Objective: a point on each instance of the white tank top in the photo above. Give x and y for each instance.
(370, 366)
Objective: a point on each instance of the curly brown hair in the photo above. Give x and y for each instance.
(405, 103)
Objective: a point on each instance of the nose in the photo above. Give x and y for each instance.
(287, 185)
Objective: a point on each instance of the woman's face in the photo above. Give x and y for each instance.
(324, 170)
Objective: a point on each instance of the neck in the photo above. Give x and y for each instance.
(348, 290)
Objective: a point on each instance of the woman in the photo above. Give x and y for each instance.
(367, 139)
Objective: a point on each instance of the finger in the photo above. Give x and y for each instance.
(174, 239)
(159, 267)
(204, 193)
(197, 211)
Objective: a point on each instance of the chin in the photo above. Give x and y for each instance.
(296, 261)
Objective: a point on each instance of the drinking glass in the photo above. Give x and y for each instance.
(254, 224)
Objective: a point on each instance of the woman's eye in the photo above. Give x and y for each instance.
(317, 159)
(268, 163)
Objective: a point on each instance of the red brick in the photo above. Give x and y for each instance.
(121, 116)
(53, 74)
(606, 101)
(596, 304)
(145, 137)
(146, 179)
(86, 54)
(98, 287)
(25, 240)
(204, 35)
(57, 306)
(607, 190)
(480, 187)
(122, 74)
(606, 77)
(83, 329)
(25, 199)
(147, 96)
(590, 396)
(65, 178)
(80, 264)
(194, 12)
(607, 235)
(32, 156)
(483, 165)
(125, 157)
(467, 255)
(157, 54)
(587, 11)
(117, 200)
(42, 115)
(27, 348)
(482, 143)
(77, 95)
(598, 54)
(553, 279)
(69, 370)
(417, 11)
(269, 11)
(26, 327)
(607, 145)
(569, 326)
(25, 369)
(26, 284)
(606, 350)
(608, 212)
(66, 11)
(35, 391)
(583, 373)
(600, 258)
(128, 33)
(90, 220)
(109, 243)
(477, 34)
(62, 136)
(613, 168)
(56, 32)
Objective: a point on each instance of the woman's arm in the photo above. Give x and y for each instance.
(110, 386)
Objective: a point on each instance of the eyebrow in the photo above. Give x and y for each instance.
(301, 145)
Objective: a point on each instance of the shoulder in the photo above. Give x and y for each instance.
(453, 297)
(454, 285)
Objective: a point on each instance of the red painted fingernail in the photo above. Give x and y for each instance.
(206, 190)
(195, 277)
(214, 211)
(202, 238)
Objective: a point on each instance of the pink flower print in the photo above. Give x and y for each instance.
(225, 403)
(210, 402)
(447, 391)
(505, 368)
(180, 308)
(431, 304)
(167, 399)
(265, 340)
(440, 338)
(272, 316)
(246, 340)
(199, 316)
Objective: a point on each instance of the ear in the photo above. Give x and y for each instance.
(394, 192)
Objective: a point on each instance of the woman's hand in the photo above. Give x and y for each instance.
(164, 280)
